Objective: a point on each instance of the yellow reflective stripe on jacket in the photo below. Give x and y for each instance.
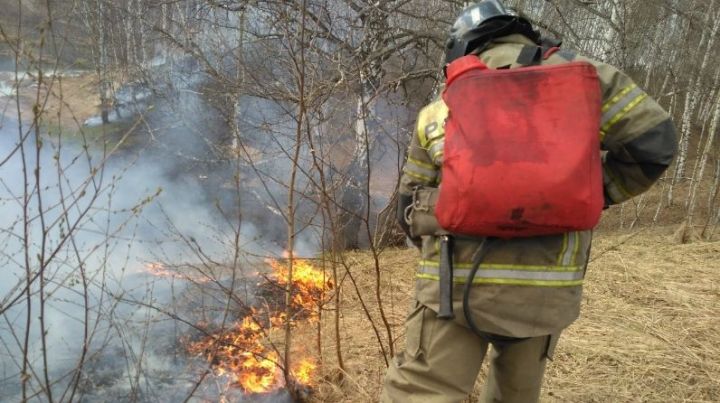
(518, 276)
(573, 259)
(421, 164)
(503, 281)
(620, 95)
(563, 249)
(422, 178)
(501, 266)
(614, 187)
(436, 150)
(619, 106)
(420, 170)
(571, 247)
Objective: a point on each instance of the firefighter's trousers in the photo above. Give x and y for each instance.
(442, 360)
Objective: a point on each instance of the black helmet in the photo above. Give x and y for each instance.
(480, 23)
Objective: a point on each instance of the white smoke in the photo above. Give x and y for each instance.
(142, 212)
(136, 320)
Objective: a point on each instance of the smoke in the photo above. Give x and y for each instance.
(168, 200)
(168, 197)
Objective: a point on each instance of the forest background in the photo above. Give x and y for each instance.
(197, 199)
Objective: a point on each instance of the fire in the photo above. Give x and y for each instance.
(309, 284)
(240, 354)
(244, 353)
(158, 269)
(305, 276)
(304, 372)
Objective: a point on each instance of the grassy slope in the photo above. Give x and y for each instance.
(649, 329)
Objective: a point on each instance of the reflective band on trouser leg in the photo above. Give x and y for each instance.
(538, 276)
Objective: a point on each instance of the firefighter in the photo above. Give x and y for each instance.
(516, 303)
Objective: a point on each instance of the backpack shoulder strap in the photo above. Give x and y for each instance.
(530, 55)
(533, 55)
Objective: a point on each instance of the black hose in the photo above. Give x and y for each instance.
(491, 337)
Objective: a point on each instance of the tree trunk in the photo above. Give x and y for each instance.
(697, 182)
(692, 96)
(713, 205)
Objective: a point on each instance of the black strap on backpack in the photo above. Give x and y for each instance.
(533, 55)
(530, 56)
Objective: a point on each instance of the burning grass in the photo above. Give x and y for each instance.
(158, 269)
(248, 353)
(649, 329)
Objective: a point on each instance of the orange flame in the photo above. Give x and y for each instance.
(158, 269)
(304, 372)
(309, 284)
(305, 275)
(242, 353)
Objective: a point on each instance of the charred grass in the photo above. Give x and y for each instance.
(649, 329)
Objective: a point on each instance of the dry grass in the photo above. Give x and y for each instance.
(70, 101)
(649, 330)
(650, 326)
(73, 99)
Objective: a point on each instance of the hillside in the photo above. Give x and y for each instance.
(648, 331)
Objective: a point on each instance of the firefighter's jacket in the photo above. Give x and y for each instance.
(532, 286)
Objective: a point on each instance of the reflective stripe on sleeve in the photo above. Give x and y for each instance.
(619, 96)
(617, 107)
(420, 170)
(539, 276)
(614, 187)
(436, 150)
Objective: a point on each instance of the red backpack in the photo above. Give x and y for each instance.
(522, 150)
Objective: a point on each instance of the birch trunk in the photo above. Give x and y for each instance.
(713, 205)
(692, 96)
(703, 162)
(140, 30)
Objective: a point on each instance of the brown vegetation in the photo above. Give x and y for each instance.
(648, 331)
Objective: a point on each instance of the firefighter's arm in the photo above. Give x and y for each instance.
(419, 171)
(637, 133)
